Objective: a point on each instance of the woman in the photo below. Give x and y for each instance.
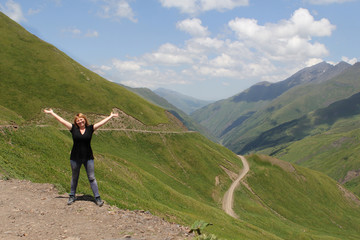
(81, 152)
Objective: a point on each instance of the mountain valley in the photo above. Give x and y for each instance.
(151, 159)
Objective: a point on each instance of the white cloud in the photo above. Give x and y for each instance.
(152, 78)
(185, 6)
(34, 11)
(348, 60)
(193, 27)
(169, 54)
(222, 5)
(77, 33)
(305, 26)
(313, 61)
(101, 70)
(91, 33)
(269, 52)
(105, 68)
(216, 72)
(288, 39)
(13, 10)
(325, 2)
(196, 6)
(117, 9)
(126, 65)
(200, 45)
(223, 60)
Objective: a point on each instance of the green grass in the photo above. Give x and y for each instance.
(171, 175)
(8, 117)
(296, 203)
(333, 153)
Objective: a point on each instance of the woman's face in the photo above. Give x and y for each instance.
(80, 122)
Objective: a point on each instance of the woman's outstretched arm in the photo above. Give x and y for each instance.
(105, 120)
(60, 119)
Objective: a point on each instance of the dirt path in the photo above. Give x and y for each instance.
(37, 211)
(144, 131)
(228, 200)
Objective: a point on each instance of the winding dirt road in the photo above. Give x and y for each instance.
(228, 200)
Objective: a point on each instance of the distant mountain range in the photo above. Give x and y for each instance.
(266, 105)
(185, 103)
(318, 102)
(268, 91)
(181, 115)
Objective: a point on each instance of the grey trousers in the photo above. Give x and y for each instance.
(89, 167)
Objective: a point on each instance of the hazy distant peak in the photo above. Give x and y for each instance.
(317, 73)
(186, 103)
(263, 83)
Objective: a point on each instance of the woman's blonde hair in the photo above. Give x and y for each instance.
(80, 115)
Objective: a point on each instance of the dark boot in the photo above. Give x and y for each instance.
(71, 199)
(98, 201)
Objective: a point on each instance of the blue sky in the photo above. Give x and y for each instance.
(208, 49)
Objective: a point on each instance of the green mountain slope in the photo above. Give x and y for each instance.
(53, 79)
(313, 123)
(227, 117)
(334, 152)
(296, 203)
(293, 104)
(179, 175)
(171, 174)
(222, 116)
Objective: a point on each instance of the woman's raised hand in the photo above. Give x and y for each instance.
(57, 117)
(114, 114)
(48, 111)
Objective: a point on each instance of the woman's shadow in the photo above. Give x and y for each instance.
(84, 197)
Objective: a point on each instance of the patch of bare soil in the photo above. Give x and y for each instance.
(351, 197)
(286, 166)
(37, 211)
(350, 176)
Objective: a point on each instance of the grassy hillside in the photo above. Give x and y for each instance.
(170, 174)
(296, 203)
(334, 152)
(175, 174)
(37, 75)
(313, 123)
(224, 115)
(325, 140)
(134, 170)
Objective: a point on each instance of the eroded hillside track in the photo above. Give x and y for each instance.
(228, 200)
